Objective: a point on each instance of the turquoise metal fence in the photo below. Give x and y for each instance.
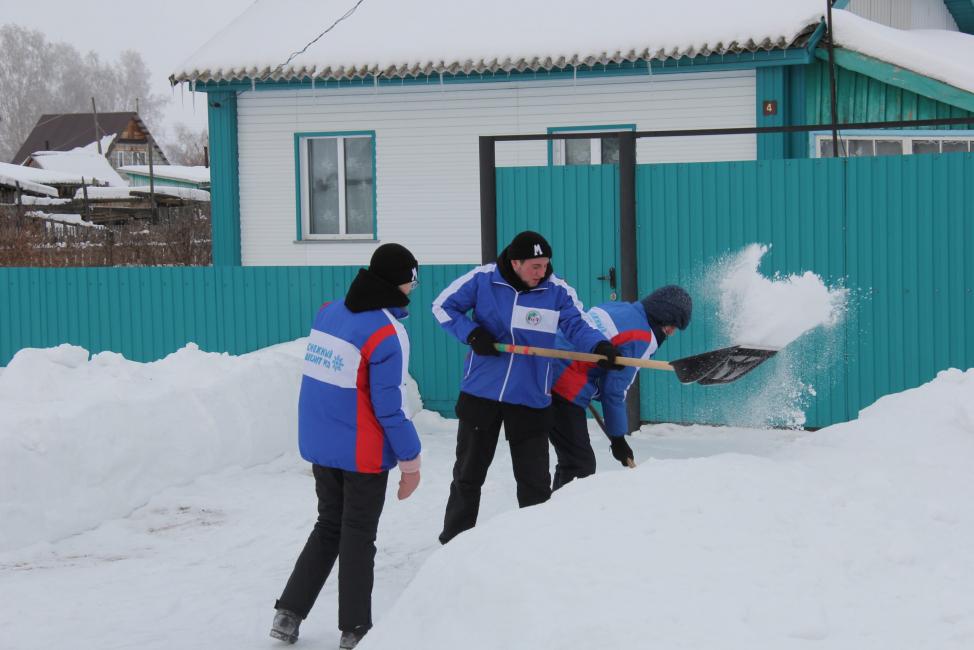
(897, 232)
(146, 313)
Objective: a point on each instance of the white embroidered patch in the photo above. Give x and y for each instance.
(331, 360)
(533, 318)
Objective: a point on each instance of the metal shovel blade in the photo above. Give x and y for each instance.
(721, 366)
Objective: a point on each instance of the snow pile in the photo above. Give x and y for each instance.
(10, 173)
(857, 536)
(773, 312)
(64, 219)
(938, 54)
(185, 193)
(84, 440)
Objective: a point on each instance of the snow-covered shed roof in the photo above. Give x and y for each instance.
(82, 162)
(171, 172)
(286, 39)
(938, 54)
(29, 186)
(42, 176)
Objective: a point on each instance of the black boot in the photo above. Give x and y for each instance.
(351, 638)
(285, 626)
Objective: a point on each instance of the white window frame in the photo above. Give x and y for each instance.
(305, 186)
(906, 138)
(595, 144)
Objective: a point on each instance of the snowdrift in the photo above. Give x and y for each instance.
(852, 537)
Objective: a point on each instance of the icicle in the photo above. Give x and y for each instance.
(574, 74)
(441, 82)
(375, 82)
(192, 89)
(314, 93)
(253, 84)
(182, 95)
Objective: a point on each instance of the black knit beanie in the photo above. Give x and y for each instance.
(528, 244)
(394, 264)
(669, 305)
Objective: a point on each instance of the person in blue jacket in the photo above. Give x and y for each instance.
(353, 427)
(637, 329)
(516, 300)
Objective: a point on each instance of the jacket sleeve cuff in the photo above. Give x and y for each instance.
(409, 466)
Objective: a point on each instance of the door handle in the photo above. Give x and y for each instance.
(611, 277)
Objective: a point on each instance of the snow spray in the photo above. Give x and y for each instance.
(798, 313)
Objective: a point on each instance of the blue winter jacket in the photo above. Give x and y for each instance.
(579, 382)
(352, 411)
(530, 317)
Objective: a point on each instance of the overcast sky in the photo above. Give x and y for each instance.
(164, 33)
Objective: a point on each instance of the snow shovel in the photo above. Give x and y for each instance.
(715, 367)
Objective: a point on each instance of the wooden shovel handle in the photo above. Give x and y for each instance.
(581, 356)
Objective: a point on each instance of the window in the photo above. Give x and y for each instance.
(336, 185)
(893, 143)
(588, 151)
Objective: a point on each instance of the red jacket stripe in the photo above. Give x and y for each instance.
(369, 441)
(573, 380)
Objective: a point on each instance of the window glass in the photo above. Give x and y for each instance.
(951, 146)
(825, 148)
(610, 151)
(323, 185)
(578, 152)
(889, 147)
(358, 185)
(856, 148)
(926, 146)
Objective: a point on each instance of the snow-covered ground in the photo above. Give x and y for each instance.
(162, 505)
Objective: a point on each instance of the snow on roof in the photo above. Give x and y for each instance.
(397, 39)
(187, 193)
(934, 53)
(42, 176)
(172, 172)
(106, 142)
(104, 193)
(64, 219)
(25, 185)
(84, 163)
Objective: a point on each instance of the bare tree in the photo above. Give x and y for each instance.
(186, 145)
(38, 77)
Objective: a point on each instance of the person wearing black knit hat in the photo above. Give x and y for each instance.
(353, 433)
(516, 300)
(638, 328)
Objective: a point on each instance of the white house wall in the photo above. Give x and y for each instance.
(427, 190)
(906, 14)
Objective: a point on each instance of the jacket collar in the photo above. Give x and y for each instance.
(368, 292)
(504, 272)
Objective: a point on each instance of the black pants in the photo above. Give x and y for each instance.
(477, 435)
(573, 447)
(349, 505)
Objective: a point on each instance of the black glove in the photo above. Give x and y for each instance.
(607, 349)
(621, 451)
(482, 343)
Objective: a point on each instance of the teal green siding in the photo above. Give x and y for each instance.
(147, 313)
(861, 98)
(963, 13)
(138, 180)
(224, 178)
(785, 85)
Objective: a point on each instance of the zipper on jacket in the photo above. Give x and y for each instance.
(510, 362)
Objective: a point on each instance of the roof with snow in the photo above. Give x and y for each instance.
(42, 176)
(82, 162)
(26, 186)
(938, 54)
(172, 172)
(66, 131)
(326, 39)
